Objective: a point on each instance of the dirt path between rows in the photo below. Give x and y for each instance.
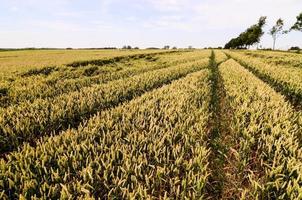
(224, 178)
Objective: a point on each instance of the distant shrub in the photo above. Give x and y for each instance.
(127, 47)
(152, 48)
(267, 49)
(294, 48)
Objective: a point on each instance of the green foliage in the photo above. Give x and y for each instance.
(298, 25)
(249, 37)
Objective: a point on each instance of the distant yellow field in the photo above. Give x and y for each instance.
(11, 61)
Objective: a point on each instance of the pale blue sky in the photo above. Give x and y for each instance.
(143, 23)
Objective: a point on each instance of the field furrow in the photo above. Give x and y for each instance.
(215, 183)
(221, 179)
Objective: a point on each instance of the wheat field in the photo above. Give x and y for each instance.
(150, 124)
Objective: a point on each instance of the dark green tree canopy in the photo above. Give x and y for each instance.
(249, 37)
(298, 25)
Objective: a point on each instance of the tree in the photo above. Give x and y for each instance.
(262, 21)
(298, 25)
(258, 30)
(249, 37)
(276, 31)
(294, 48)
(166, 47)
(127, 47)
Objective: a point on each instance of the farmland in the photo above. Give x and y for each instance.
(150, 124)
(28, 59)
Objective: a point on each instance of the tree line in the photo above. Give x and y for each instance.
(253, 34)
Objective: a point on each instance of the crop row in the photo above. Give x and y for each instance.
(220, 57)
(284, 79)
(278, 58)
(27, 121)
(101, 62)
(152, 147)
(267, 131)
(31, 88)
(22, 61)
(37, 83)
(65, 79)
(89, 70)
(64, 71)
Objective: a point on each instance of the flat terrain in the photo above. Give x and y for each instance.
(32, 59)
(200, 124)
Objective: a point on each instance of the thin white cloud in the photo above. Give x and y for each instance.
(239, 13)
(195, 22)
(69, 14)
(14, 9)
(170, 22)
(169, 5)
(54, 25)
(104, 6)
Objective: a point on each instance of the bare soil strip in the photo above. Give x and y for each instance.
(222, 182)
